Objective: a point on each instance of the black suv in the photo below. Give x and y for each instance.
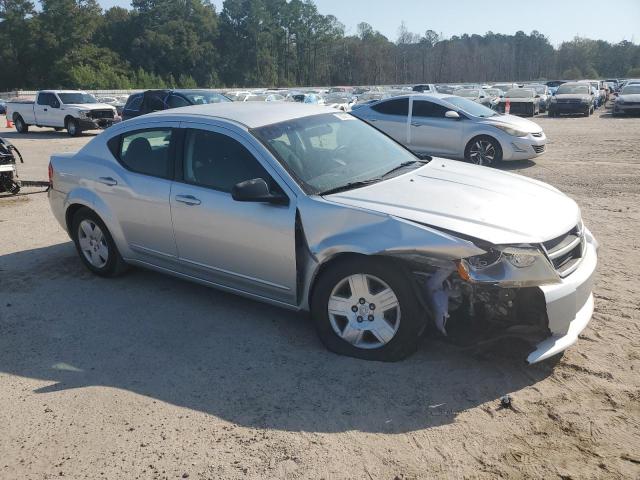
(154, 100)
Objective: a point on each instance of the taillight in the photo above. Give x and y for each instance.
(50, 175)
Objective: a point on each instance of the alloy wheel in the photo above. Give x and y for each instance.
(93, 243)
(364, 311)
(482, 152)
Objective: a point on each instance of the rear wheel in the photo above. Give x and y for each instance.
(21, 126)
(366, 308)
(483, 150)
(95, 245)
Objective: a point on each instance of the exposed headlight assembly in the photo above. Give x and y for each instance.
(511, 131)
(83, 113)
(509, 266)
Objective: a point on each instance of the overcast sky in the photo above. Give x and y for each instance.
(558, 20)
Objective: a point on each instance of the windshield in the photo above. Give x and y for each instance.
(467, 93)
(470, 107)
(72, 98)
(572, 89)
(199, 97)
(520, 93)
(328, 151)
(631, 90)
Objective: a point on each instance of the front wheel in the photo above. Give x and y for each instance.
(95, 245)
(366, 308)
(483, 150)
(73, 127)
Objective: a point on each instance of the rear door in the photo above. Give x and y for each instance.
(392, 117)
(247, 246)
(137, 189)
(431, 132)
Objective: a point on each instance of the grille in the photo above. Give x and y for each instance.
(568, 100)
(566, 251)
(520, 108)
(100, 114)
(539, 148)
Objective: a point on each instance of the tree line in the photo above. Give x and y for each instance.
(187, 43)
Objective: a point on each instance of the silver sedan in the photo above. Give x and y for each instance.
(454, 127)
(314, 210)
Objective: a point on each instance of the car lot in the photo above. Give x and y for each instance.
(152, 377)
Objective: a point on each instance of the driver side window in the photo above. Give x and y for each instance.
(218, 161)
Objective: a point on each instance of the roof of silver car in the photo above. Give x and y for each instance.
(250, 114)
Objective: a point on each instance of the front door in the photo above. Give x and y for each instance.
(433, 133)
(245, 246)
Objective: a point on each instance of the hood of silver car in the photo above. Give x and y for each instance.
(514, 122)
(488, 204)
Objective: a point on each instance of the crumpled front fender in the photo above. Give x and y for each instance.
(332, 229)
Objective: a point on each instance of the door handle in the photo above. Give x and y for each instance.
(416, 124)
(188, 199)
(45, 109)
(108, 181)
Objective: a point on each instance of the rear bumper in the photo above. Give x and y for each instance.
(569, 306)
(56, 202)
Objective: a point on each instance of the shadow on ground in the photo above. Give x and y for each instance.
(516, 165)
(42, 134)
(240, 360)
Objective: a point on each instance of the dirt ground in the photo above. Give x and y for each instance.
(147, 376)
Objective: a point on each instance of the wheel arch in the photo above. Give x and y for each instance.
(479, 136)
(84, 198)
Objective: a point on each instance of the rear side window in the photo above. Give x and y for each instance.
(176, 101)
(134, 102)
(147, 152)
(422, 108)
(396, 106)
(218, 161)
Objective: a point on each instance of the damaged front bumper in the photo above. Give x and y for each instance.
(569, 305)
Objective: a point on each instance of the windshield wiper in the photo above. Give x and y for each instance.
(401, 166)
(351, 185)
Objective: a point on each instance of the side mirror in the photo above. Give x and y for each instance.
(452, 114)
(537, 96)
(481, 96)
(257, 190)
(55, 105)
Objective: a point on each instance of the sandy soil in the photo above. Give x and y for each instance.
(147, 376)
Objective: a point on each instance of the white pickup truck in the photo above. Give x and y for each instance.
(72, 110)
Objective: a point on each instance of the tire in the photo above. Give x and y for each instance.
(21, 126)
(476, 159)
(369, 333)
(587, 112)
(72, 126)
(95, 245)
